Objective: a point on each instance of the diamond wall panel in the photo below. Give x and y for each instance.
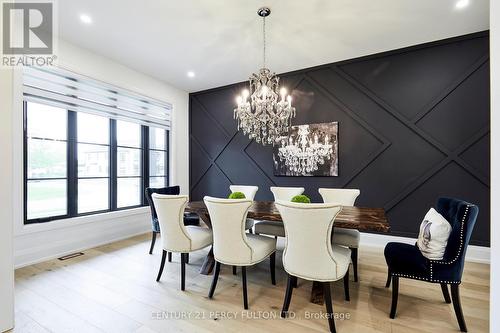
(413, 126)
(462, 113)
(409, 88)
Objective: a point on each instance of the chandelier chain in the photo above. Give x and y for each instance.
(264, 38)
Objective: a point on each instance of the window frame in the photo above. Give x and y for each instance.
(166, 162)
(142, 182)
(72, 169)
(74, 184)
(25, 173)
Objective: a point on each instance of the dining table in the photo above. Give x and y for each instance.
(361, 218)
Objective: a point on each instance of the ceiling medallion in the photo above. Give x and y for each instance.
(266, 116)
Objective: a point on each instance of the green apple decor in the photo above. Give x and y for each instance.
(301, 198)
(236, 195)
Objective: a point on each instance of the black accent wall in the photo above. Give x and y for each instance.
(413, 126)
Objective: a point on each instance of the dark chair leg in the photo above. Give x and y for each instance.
(455, 296)
(250, 231)
(288, 296)
(329, 306)
(234, 270)
(276, 237)
(163, 256)
(354, 258)
(388, 282)
(446, 294)
(395, 291)
(214, 281)
(187, 258)
(272, 261)
(183, 270)
(153, 241)
(244, 281)
(170, 257)
(346, 286)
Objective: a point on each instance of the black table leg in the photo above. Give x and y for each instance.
(208, 264)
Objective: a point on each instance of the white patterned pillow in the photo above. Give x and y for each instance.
(433, 236)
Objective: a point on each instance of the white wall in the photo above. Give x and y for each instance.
(33, 243)
(6, 267)
(495, 164)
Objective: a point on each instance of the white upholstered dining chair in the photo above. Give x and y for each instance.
(344, 236)
(309, 253)
(274, 228)
(175, 236)
(249, 192)
(232, 245)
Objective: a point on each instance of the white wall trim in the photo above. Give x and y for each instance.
(495, 164)
(478, 254)
(6, 210)
(32, 248)
(76, 221)
(32, 258)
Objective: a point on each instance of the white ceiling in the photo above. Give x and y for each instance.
(221, 41)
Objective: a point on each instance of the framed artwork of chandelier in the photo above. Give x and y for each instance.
(309, 150)
(264, 111)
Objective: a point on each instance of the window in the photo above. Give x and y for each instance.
(158, 157)
(89, 147)
(93, 147)
(129, 150)
(79, 163)
(46, 171)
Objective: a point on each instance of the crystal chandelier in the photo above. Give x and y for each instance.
(265, 117)
(306, 153)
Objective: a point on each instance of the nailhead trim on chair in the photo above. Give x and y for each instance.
(443, 262)
(424, 279)
(181, 223)
(328, 241)
(461, 241)
(245, 241)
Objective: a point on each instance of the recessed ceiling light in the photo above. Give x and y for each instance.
(461, 4)
(191, 74)
(85, 18)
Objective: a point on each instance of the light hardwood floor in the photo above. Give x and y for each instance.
(112, 288)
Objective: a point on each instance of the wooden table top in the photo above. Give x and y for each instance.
(360, 218)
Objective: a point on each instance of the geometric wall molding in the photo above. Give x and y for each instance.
(413, 126)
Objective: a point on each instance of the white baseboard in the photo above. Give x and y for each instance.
(479, 254)
(35, 247)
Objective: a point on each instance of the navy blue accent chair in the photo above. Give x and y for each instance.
(406, 261)
(189, 218)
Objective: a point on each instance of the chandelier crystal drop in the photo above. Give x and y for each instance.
(264, 111)
(305, 154)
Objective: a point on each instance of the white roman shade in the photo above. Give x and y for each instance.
(62, 88)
